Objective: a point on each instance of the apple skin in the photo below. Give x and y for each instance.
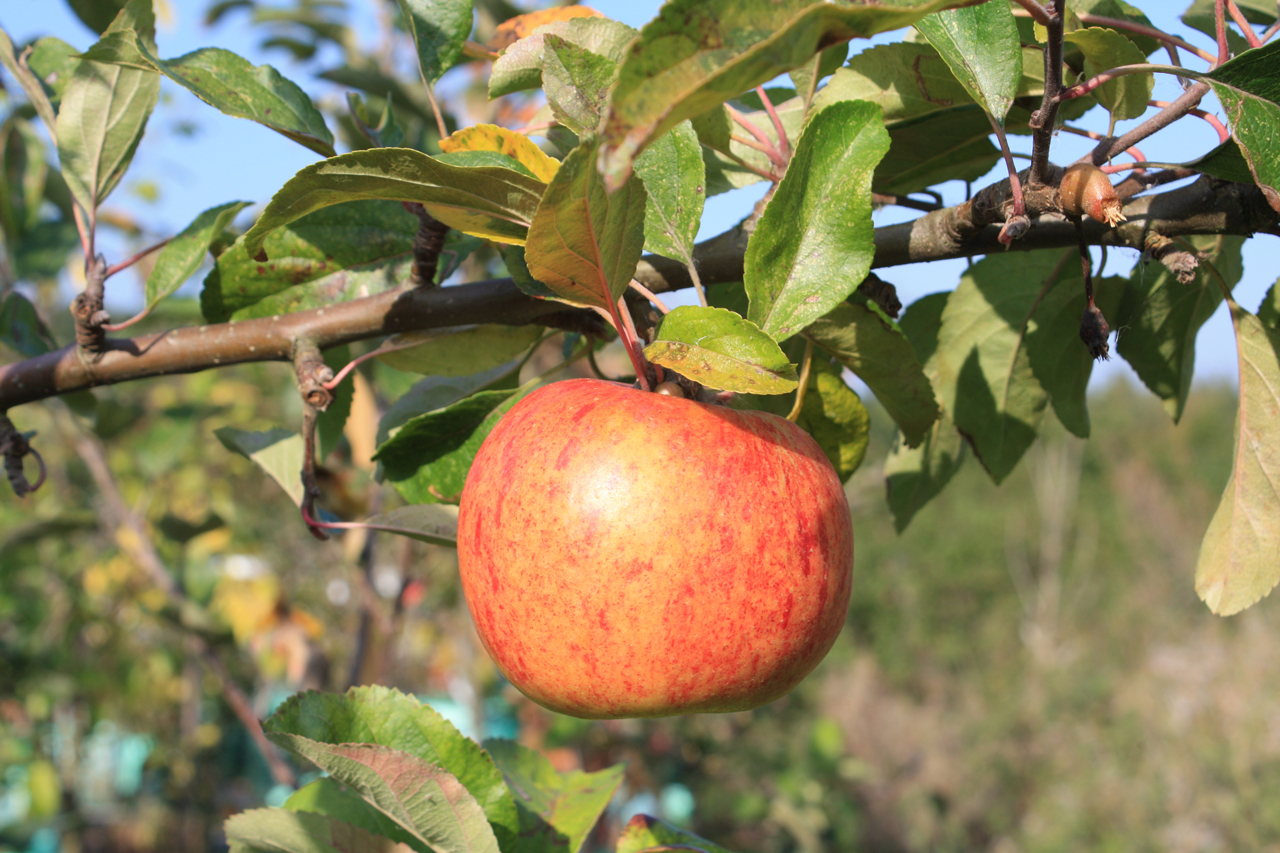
(628, 554)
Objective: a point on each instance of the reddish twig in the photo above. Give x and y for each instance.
(1243, 24)
(1043, 119)
(1035, 11)
(125, 264)
(1150, 32)
(1220, 28)
(1223, 133)
(649, 295)
(771, 150)
(784, 146)
(1187, 101)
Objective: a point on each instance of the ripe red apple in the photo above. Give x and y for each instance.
(629, 554)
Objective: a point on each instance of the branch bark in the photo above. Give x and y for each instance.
(1208, 206)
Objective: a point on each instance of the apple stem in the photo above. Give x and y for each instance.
(805, 364)
(630, 339)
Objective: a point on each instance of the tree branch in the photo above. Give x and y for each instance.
(1208, 206)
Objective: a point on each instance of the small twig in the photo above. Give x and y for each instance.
(1271, 30)
(313, 377)
(14, 447)
(1243, 24)
(428, 243)
(1223, 133)
(626, 327)
(905, 201)
(769, 148)
(649, 294)
(529, 129)
(88, 312)
(1081, 89)
(697, 282)
(1187, 101)
(125, 264)
(806, 364)
(1015, 184)
(1139, 29)
(1035, 11)
(435, 108)
(83, 229)
(784, 145)
(1220, 28)
(1043, 120)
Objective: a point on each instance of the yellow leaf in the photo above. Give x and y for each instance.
(512, 30)
(490, 137)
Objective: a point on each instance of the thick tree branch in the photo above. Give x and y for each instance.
(1207, 206)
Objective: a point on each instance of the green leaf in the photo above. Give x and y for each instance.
(236, 87)
(557, 810)
(104, 112)
(388, 718)
(700, 53)
(905, 79)
(823, 65)
(584, 243)
(281, 831)
(24, 173)
(21, 328)
(97, 15)
(915, 475)
(1123, 11)
(326, 796)
(831, 412)
(718, 348)
(458, 352)
(494, 203)
(576, 82)
(439, 28)
(985, 375)
(332, 420)
(648, 833)
(1200, 16)
(30, 84)
(1226, 162)
(427, 459)
(730, 164)
(1240, 557)
(871, 345)
(1058, 357)
(518, 269)
(520, 66)
(435, 524)
(1249, 90)
(278, 452)
(53, 61)
(1269, 310)
(1125, 97)
(335, 253)
(980, 45)
(1159, 318)
(675, 181)
(183, 255)
(952, 144)
(425, 800)
(438, 392)
(815, 241)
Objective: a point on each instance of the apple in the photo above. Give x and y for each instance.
(630, 554)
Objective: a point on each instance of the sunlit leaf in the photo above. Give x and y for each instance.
(425, 800)
(700, 53)
(815, 242)
(557, 810)
(458, 352)
(980, 44)
(183, 255)
(281, 831)
(1126, 97)
(905, 79)
(490, 137)
(1249, 90)
(1240, 557)
(439, 29)
(335, 253)
(673, 174)
(104, 112)
(520, 66)
(645, 833)
(716, 347)
(278, 452)
(29, 82)
(493, 203)
(387, 717)
(584, 243)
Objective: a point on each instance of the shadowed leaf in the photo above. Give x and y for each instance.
(1249, 90)
(183, 255)
(716, 347)
(282, 831)
(278, 452)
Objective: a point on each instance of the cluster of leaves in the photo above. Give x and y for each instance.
(400, 777)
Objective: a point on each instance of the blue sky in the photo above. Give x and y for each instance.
(228, 159)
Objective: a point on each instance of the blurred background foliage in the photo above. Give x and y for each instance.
(1024, 669)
